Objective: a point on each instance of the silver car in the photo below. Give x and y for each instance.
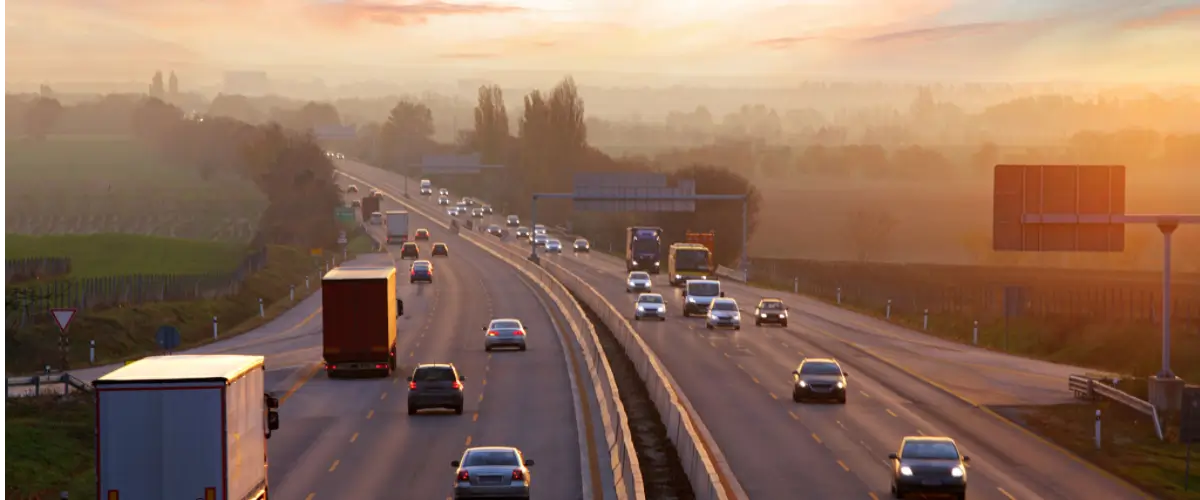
(637, 281)
(540, 239)
(723, 313)
(553, 246)
(539, 229)
(492, 472)
(505, 332)
(650, 305)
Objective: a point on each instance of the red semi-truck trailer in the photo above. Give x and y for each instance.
(359, 311)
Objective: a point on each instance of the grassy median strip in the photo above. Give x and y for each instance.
(49, 447)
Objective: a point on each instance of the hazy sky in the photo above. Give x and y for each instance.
(346, 40)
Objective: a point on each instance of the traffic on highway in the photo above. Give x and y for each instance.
(896, 428)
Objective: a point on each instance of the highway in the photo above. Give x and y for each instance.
(739, 383)
(354, 439)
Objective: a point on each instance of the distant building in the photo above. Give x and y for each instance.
(248, 83)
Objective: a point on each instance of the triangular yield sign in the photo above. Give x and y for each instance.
(63, 317)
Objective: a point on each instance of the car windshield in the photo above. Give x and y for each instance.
(431, 374)
(771, 306)
(491, 459)
(580, 242)
(639, 276)
(439, 246)
(820, 369)
(410, 246)
(724, 306)
(704, 289)
(541, 237)
(929, 450)
(421, 266)
(552, 243)
(651, 299)
(505, 325)
(691, 260)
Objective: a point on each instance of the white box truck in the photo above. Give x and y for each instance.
(184, 426)
(396, 226)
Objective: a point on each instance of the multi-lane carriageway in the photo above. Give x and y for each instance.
(902, 383)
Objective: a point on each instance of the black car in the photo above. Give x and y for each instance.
(355, 204)
(422, 270)
(495, 230)
(440, 250)
(487, 209)
(512, 221)
(819, 378)
(435, 386)
(929, 465)
(410, 251)
(582, 245)
(426, 191)
(522, 232)
(422, 234)
(770, 311)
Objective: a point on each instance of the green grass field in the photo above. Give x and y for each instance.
(113, 184)
(123, 254)
(43, 456)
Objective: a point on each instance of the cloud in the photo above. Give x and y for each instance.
(1166, 17)
(936, 33)
(353, 12)
(785, 42)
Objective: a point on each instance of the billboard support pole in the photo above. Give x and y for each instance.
(745, 239)
(1167, 228)
(532, 231)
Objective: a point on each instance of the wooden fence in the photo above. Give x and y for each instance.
(108, 291)
(17, 270)
(978, 292)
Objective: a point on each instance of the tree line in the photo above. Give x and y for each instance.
(289, 167)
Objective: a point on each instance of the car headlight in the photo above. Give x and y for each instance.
(677, 276)
(803, 384)
(762, 315)
(713, 317)
(905, 471)
(956, 472)
(641, 309)
(841, 385)
(691, 300)
(656, 263)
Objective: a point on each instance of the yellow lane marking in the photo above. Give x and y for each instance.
(773, 396)
(890, 412)
(794, 416)
(354, 437)
(844, 466)
(468, 443)
(370, 414)
(816, 438)
(383, 396)
(334, 466)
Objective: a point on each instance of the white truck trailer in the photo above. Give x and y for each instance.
(184, 426)
(396, 226)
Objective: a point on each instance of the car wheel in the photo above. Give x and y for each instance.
(796, 396)
(708, 325)
(739, 327)
(522, 347)
(458, 410)
(842, 400)
(663, 318)
(487, 349)
(412, 410)
(784, 324)
(896, 493)
(758, 323)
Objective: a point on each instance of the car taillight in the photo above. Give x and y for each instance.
(464, 476)
(518, 475)
(412, 386)
(412, 272)
(455, 385)
(380, 366)
(492, 334)
(519, 333)
(330, 367)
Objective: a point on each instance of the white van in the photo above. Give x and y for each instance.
(376, 219)
(698, 295)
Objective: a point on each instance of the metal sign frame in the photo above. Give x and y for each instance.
(1033, 212)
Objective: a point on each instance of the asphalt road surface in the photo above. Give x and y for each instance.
(353, 438)
(739, 382)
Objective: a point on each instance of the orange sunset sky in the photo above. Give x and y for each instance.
(988, 40)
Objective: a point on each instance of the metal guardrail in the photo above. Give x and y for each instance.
(708, 472)
(40, 385)
(621, 457)
(733, 274)
(1092, 389)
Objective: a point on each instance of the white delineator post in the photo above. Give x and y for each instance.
(839, 295)
(92, 351)
(214, 328)
(975, 334)
(888, 311)
(1097, 429)
(262, 313)
(292, 293)
(925, 323)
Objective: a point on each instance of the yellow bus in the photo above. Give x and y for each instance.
(688, 261)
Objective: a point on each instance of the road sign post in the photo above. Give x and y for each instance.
(62, 318)
(168, 338)
(1081, 208)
